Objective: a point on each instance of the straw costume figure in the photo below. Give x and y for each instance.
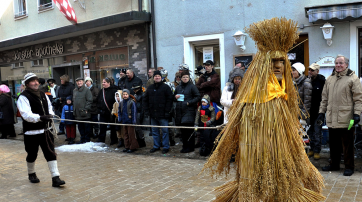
(263, 128)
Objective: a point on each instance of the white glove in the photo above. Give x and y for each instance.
(303, 122)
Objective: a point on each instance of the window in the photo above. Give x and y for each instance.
(37, 62)
(17, 65)
(44, 5)
(19, 8)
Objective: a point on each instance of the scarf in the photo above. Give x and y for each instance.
(205, 107)
(37, 92)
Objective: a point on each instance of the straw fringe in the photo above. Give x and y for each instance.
(270, 160)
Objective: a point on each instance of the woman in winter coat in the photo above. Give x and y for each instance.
(186, 97)
(105, 102)
(6, 107)
(304, 87)
(231, 90)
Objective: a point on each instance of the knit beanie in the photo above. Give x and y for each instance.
(204, 100)
(69, 98)
(299, 67)
(88, 79)
(156, 73)
(126, 91)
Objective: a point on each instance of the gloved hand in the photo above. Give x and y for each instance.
(167, 115)
(46, 118)
(320, 119)
(196, 126)
(356, 118)
(208, 123)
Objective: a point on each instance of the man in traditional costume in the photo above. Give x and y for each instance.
(263, 128)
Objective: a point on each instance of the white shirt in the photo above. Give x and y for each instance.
(25, 111)
(52, 91)
(226, 101)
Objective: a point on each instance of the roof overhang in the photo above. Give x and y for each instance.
(334, 12)
(109, 22)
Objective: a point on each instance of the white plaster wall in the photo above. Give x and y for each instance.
(177, 19)
(38, 22)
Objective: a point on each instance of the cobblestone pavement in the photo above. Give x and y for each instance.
(141, 176)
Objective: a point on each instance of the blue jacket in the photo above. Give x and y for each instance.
(67, 113)
(127, 108)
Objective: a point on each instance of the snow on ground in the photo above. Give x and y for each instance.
(86, 147)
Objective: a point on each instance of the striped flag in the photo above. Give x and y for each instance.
(67, 10)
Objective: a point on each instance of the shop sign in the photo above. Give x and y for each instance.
(327, 61)
(109, 57)
(38, 52)
(208, 53)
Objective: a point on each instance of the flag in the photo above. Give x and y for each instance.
(67, 10)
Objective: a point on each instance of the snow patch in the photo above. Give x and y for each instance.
(86, 147)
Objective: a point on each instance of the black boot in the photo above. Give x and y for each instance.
(120, 143)
(71, 141)
(33, 178)
(57, 181)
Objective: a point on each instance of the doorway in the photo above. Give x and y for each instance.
(300, 53)
(73, 71)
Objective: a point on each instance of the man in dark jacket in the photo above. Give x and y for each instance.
(94, 110)
(66, 89)
(209, 83)
(122, 79)
(105, 101)
(82, 103)
(157, 103)
(131, 80)
(315, 130)
(138, 98)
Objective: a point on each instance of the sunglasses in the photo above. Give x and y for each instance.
(178, 76)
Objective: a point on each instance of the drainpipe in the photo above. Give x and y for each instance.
(153, 34)
(140, 5)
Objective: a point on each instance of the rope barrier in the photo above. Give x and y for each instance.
(219, 127)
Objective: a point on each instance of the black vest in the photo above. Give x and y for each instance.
(37, 107)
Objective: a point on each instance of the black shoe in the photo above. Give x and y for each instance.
(95, 136)
(125, 150)
(348, 172)
(21, 134)
(60, 133)
(164, 151)
(33, 178)
(112, 143)
(197, 145)
(3, 137)
(80, 142)
(172, 142)
(131, 150)
(99, 140)
(187, 150)
(67, 139)
(71, 141)
(153, 150)
(12, 135)
(330, 168)
(57, 181)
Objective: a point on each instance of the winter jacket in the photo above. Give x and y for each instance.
(226, 100)
(317, 85)
(205, 117)
(109, 97)
(139, 98)
(127, 111)
(94, 91)
(64, 91)
(134, 80)
(6, 107)
(341, 98)
(116, 104)
(209, 83)
(186, 110)
(67, 113)
(122, 83)
(150, 82)
(304, 88)
(82, 103)
(157, 101)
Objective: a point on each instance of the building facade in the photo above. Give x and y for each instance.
(188, 31)
(110, 35)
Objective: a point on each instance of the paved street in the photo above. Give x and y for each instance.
(115, 176)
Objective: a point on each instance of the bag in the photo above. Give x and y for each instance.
(83, 112)
(105, 102)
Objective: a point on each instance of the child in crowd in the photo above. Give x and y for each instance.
(205, 117)
(67, 113)
(127, 114)
(119, 129)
